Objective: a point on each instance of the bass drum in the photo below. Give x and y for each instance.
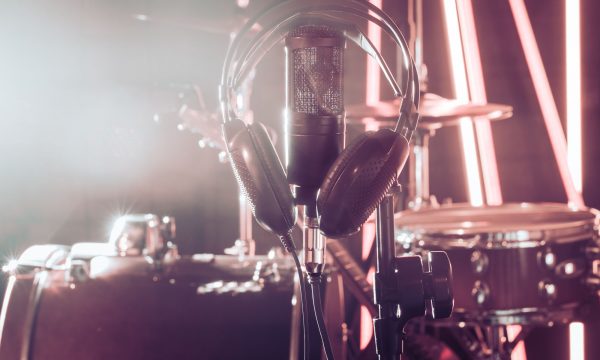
(513, 263)
(59, 305)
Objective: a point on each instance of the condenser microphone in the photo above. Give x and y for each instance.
(315, 126)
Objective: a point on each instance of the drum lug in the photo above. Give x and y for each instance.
(547, 290)
(547, 259)
(79, 271)
(593, 279)
(481, 293)
(479, 262)
(570, 269)
(144, 235)
(267, 273)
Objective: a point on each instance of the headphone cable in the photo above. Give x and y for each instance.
(315, 282)
(303, 303)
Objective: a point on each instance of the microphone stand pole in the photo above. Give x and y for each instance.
(401, 287)
(386, 324)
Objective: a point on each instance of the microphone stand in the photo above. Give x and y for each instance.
(401, 287)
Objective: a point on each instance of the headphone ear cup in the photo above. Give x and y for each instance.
(339, 165)
(358, 180)
(260, 176)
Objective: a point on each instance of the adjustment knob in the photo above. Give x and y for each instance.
(438, 285)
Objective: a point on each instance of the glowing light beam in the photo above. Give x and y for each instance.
(576, 341)
(545, 99)
(461, 90)
(477, 93)
(573, 80)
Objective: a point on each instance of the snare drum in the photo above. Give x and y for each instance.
(513, 263)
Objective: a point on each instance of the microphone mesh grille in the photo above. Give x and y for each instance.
(317, 74)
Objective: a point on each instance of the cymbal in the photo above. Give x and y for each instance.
(435, 111)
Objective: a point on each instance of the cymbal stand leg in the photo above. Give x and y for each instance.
(246, 226)
(497, 339)
(244, 246)
(419, 194)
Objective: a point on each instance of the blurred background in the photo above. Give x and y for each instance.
(81, 80)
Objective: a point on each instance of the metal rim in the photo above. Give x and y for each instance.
(508, 225)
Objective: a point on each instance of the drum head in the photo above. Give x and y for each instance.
(515, 222)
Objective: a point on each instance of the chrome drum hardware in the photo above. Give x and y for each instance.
(513, 263)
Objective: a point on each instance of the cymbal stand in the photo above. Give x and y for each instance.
(415, 42)
(245, 245)
(418, 190)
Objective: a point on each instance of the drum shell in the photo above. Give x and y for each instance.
(514, 278)
(133, 311)
(512, 263)
(14, 311)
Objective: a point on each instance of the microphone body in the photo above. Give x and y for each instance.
(315, 119)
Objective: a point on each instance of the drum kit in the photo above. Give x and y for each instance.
(517, 264)
(135, 296)
(521, 264)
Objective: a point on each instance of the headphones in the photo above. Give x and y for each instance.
(363, 172)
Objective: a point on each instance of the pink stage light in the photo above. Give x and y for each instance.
(576, 341)
(487, 153)
(573, 73)
(461, 90)
(545, 99)
(518, 352)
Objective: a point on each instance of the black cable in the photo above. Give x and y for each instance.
(304, 305)
(315, 281)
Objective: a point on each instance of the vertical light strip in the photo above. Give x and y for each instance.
(518, 352)
(573, 73)
(545, 98)
(461, 90)
(373, 74)
(373, 80)
(487, 153)
(576, 341)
